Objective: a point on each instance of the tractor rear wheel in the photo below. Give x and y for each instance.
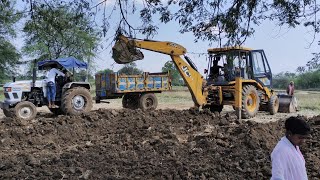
(273, 104)
(148, 102)
(25, 110)
(250, 102)
(76, 101)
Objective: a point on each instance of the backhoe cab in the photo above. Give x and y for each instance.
(240, 77)
(237, 76)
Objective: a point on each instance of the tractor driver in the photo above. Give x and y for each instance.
(51, 86)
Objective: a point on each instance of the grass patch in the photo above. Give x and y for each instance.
(308, 101)
(1, 94)
(178, 96)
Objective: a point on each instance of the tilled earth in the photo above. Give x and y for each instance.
(132, 144)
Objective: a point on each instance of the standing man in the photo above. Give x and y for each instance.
(287, 160)
(290, 88)
(51, 86)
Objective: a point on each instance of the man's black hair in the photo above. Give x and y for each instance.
(297, 125)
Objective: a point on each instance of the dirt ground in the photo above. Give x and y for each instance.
(132, 144)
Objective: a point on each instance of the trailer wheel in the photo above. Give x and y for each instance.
(98, 99)
(8, 112)
(273, 104)
(25, 110)
(148, 101)
(130, 101)
(250, 102)
(76, 101)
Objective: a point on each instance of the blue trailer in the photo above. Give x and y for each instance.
(137, 91)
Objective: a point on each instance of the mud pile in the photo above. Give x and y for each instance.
(132, 144)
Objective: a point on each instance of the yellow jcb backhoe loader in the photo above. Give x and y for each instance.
(243, 79)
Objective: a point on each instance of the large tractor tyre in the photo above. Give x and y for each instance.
(56, 111)
(25, 110)
(76, 101)
(148, 101)
(250, 102)
(216, 108)
(8, 112)
(130, 101)
(273, 104)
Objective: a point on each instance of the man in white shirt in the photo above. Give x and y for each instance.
(51, 86)
(287, 160)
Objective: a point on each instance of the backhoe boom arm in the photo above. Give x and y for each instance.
(192, 77)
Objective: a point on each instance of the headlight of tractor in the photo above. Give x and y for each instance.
(7, 89)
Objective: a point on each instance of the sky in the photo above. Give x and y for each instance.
(286, 49)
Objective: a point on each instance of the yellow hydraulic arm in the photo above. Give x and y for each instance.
(192, 77)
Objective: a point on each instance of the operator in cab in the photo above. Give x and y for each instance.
(215, 69)
(51, 86)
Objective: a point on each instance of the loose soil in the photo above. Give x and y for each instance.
(132, 144)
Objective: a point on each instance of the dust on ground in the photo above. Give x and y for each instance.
(132, 144)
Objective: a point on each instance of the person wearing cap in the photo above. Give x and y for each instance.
(290, 88)
(287, 160)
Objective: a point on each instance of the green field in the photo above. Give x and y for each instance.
(1, 94)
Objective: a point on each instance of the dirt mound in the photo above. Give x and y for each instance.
(132, 144)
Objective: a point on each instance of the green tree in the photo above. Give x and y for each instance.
(130, 69)
(213, 20)
(9, 55)
(174, 73)
(106, 71)
(56, 29)
(281, 80)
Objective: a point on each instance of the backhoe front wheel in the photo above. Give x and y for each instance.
(273, 104)
(76, 101)
(250, 102)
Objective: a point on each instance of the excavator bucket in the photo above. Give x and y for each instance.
(124, 52)
(287, 103)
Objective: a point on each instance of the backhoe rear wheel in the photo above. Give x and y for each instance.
(25, 110)
(273, 104)
(76, 101)
(250, 101)
(148, 102)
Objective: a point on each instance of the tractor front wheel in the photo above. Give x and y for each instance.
(76, 101)
(25, 110)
